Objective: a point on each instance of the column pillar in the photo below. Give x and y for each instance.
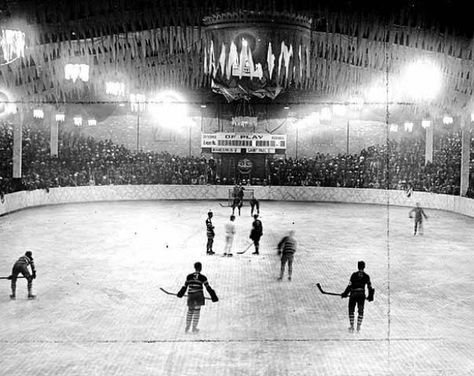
(429, 136)
(54, 136)
(465, 155)
(17, 143)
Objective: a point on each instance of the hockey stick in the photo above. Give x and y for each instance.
(246, 249)
(171, 293)
(325, 292)
(10, 277)
(223, 206)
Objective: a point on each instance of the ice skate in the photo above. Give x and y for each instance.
(12, 297)
(31, 296)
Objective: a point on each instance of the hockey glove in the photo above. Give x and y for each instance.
(344, 295)
(34, 275)
(213, 295)
(181, 292)
(370, 298)
(10, 277)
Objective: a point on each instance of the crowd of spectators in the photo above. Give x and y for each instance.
(396, 165)
(87, 161)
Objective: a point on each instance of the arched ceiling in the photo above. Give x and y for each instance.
(156, 44)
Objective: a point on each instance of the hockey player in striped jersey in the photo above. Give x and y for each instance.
(21, 267)
(287, 249)
(210, 233)
(194, 284)
(356, 289)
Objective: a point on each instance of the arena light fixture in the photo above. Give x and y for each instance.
(472, 116)
(38, 113)
(115, 88)
(91, 122)
(326, 114)
(421, 80)
(339, 109)
(203, 106)
(170, 110)
(376, 94)
(408, 126)
(137, 102)
(393, 127)
(76, 71)
(77, 121)
(426, 123)
(447, 120)
(60, 117)
(286, 108)
(12, 44)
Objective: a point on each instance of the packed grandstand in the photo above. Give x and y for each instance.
(87, 161)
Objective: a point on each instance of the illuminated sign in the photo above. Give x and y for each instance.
(252, 142)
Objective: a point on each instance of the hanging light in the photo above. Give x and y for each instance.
(76, 71)
(408, 126)
(426, 123)
(339, 109)
(326, 114)
(38, 113)
(447, 120)
(77, 121)
(12, 43)
(115, 88)
(60, 117)
(421, 80)
(137, 102)
(91, 122)
(393, 127)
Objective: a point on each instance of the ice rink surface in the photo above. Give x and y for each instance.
(100, 311)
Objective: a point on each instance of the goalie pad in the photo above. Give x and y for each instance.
(181, 292)
(370, 298)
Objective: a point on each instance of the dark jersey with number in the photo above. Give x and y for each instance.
(195, 282)
(358, 282)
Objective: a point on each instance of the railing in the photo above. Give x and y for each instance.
(27, 199)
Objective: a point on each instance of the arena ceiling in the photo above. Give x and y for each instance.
(295, 52)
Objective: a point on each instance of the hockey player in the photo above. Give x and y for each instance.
(21, 267)
(254, 204)
(356, 289)
(256, 233)
(195, 282)
(238, 198)
(229, 236)
(210, 233)
(419, 214)
(287, 249)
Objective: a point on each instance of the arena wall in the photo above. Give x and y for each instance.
(27, 199)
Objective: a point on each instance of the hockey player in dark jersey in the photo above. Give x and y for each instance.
(21, 267)
(194, 284)
(419, 214)
(256, 233)
(210, 233)
(238, 196)
(287, 249)
(356, 292)
(254, 204)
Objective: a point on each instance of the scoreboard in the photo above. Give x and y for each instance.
(264, 143)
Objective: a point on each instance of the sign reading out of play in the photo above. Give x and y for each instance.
(251, 142)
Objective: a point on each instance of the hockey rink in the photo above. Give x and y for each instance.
(100, 311)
